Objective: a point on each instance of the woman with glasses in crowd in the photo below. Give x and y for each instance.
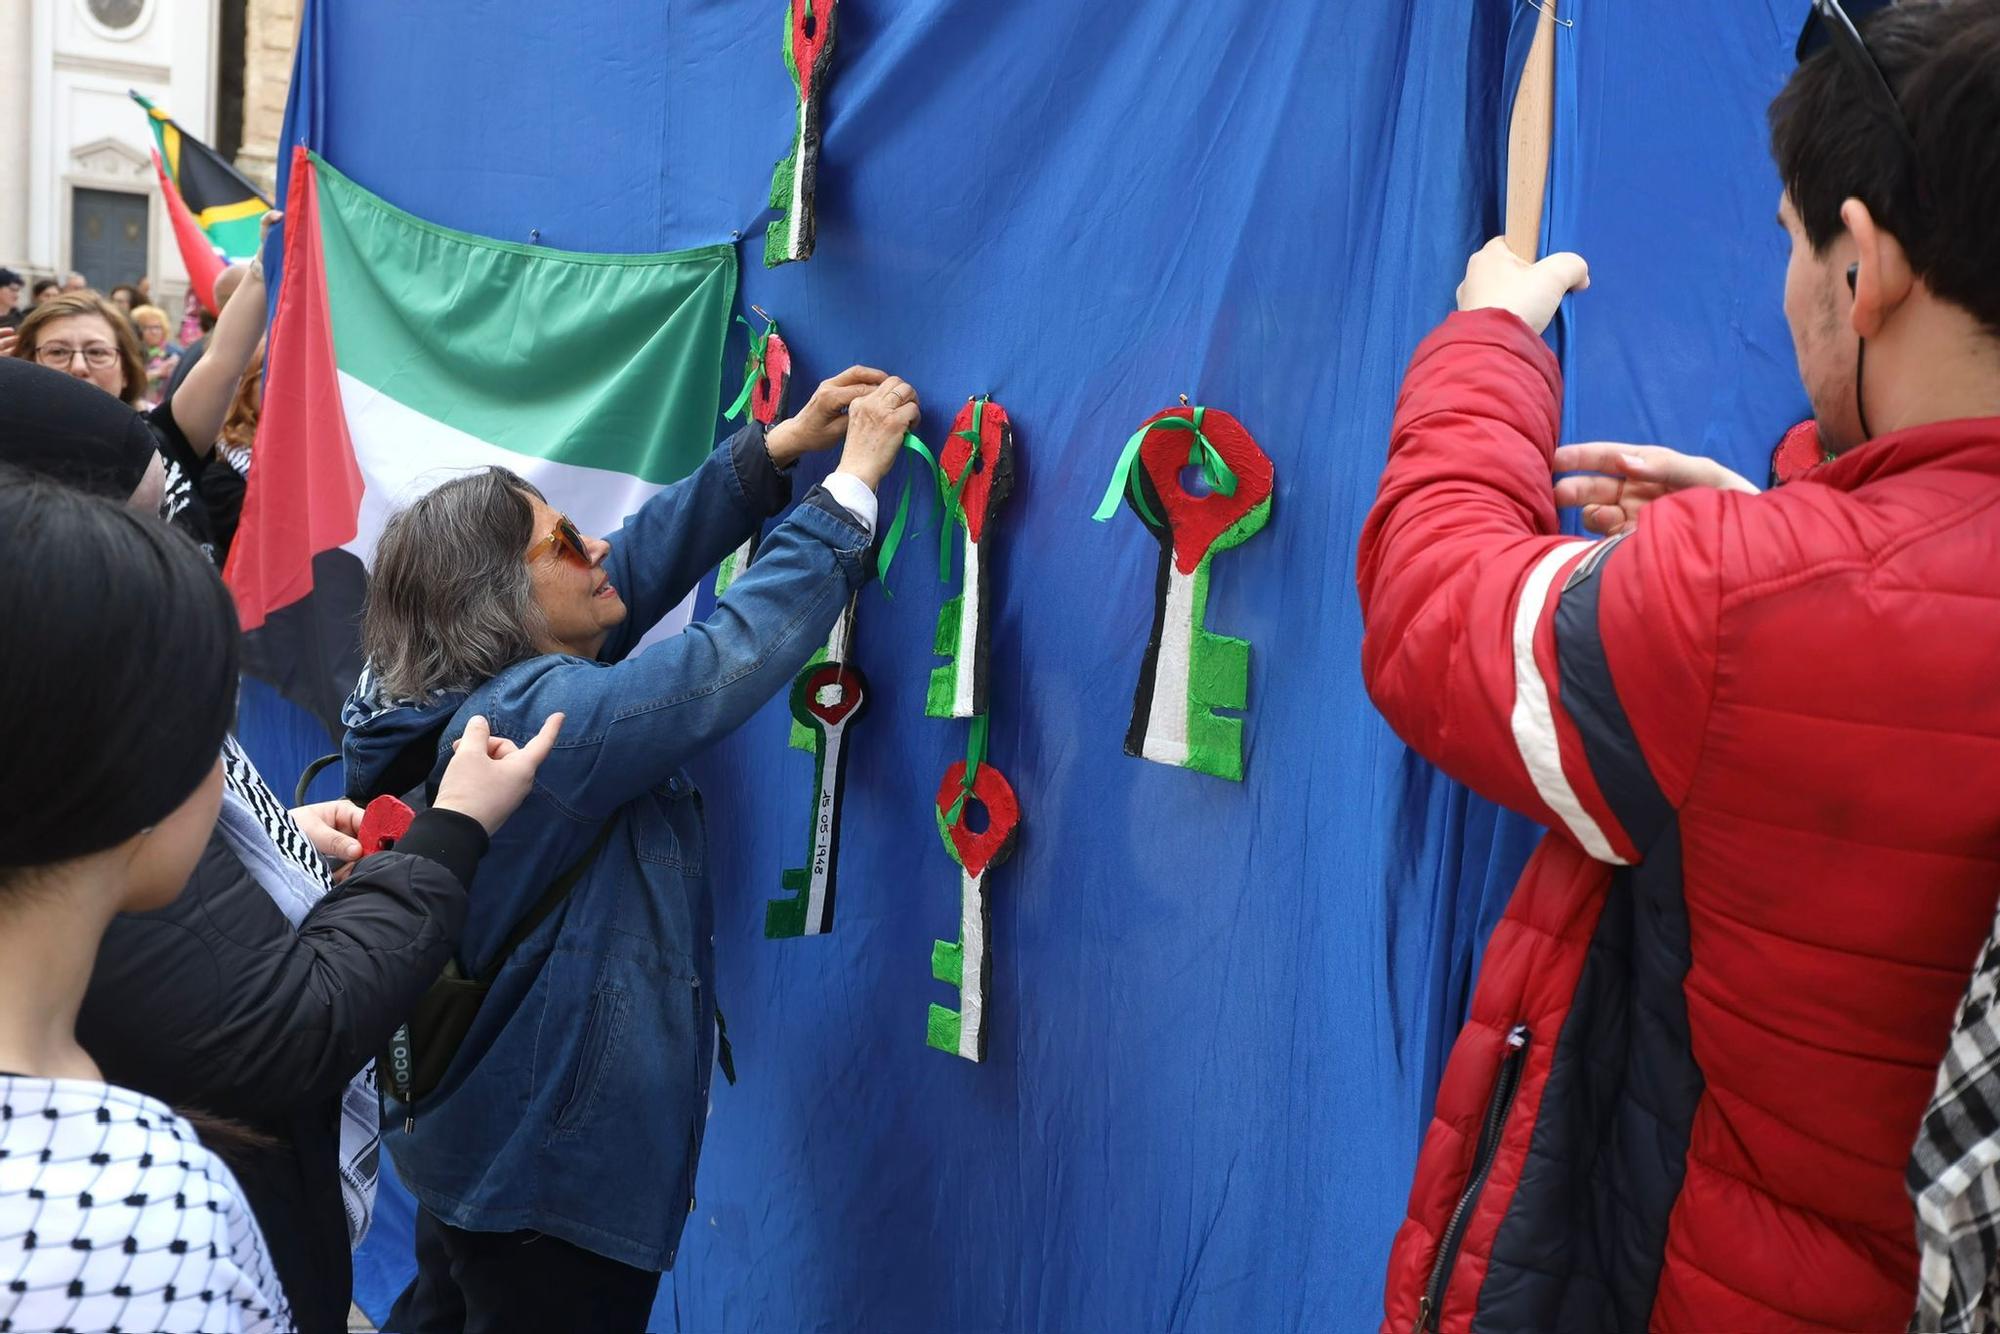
(83, 335)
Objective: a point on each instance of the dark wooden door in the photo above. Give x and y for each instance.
(108, 237)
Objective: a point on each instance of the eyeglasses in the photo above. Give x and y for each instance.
(1829, 24)
(58, 357)
(563, 537)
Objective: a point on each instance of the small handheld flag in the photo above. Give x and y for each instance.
(216, 211)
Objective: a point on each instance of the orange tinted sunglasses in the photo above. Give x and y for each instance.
(563, 537)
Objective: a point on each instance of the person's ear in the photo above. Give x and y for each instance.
(1880, 279)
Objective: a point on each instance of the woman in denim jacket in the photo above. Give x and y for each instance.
(555, 1161)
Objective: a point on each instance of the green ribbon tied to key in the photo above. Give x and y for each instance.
(1216, 473)
(756, 370)
(975, 755)
(951, 506)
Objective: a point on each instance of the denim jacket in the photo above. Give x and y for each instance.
(577, 1103)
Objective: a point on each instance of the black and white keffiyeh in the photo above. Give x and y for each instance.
(1954, 1172)
(261, 832)
(114, 1216)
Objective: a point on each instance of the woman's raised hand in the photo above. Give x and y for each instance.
(876, 424)
(822, 422)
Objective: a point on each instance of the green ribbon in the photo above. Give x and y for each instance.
(892, 540)
(1215, 472)
(951, 505)
(756, 369)
(975, 755)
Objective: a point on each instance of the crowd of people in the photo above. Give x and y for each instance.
(229, 970)
(1751, 966)
(200, 403)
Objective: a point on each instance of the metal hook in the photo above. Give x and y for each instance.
(1549, 7)
(1184, 401)
(761, 315)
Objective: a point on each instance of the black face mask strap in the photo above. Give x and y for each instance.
(1860, 412)
(1860, 361)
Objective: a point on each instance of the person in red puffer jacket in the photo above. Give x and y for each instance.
(1763, 730)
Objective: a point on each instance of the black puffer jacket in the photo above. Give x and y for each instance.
(215, 1004)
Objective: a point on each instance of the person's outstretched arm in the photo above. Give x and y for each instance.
(217, 1002)
(634, 723)
(684, 531)
(1490, 636)
(202, 401)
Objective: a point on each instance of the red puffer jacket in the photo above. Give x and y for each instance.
(1765, 732)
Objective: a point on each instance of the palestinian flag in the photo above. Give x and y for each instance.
(215, 209)
(403, 352)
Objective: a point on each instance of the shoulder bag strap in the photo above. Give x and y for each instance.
(550, 900)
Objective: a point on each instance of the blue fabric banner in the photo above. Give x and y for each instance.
(1219, 1011)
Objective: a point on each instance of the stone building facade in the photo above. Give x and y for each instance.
(77, 187)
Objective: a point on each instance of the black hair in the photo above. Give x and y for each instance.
(120, 672)
(1834, 141)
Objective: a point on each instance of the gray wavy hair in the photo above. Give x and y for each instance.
(451, 602)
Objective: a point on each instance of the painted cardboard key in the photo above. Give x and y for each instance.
(967, 963)
(826, 697)
(977, 464)
(809, 26)
(767, 382)
(1189, 672)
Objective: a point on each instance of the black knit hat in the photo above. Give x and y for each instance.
(60, 427)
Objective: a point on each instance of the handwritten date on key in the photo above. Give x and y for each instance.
(826, 698)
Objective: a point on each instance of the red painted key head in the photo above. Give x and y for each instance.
(827, 694)
(992, 462)
(991, 846)
(808, 35)
(774, 383)
(1195, 522)
(1798, 453)
(383, 824)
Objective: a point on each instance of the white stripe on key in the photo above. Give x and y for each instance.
(795, 222)
(1167, 723)
(972, 963)
(967, 667)
(821, 869)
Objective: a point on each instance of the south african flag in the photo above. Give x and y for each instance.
(215, 208)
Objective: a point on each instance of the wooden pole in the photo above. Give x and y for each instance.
(1528, 136)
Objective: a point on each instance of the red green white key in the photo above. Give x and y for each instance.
(809, 26)
(977, 464)
(1189, 672)
(826, 697)
(967, 963)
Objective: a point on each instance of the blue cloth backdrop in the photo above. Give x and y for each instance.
(1219, 1012)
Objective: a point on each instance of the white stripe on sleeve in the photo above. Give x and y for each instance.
(1533, 719)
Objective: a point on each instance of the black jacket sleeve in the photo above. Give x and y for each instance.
(215, 1002)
